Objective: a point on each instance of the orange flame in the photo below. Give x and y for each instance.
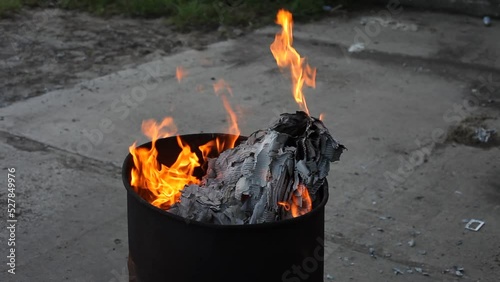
(287, 56)
(302, 203)
(220, 88)
(180, 73)
(285, 205)
(233, 122)
(321, 116)
(163, 182)
(210, 147)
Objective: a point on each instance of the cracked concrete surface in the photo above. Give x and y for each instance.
(391, 104)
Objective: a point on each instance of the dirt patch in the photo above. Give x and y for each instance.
(474, 131)
(48, 49)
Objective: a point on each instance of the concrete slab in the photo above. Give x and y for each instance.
(71, 216)
(390, 105)
(94, 119)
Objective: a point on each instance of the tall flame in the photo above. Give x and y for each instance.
(287, 56)
(221, 88)
(301, 73)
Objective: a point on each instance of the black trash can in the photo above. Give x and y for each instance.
(167, 247)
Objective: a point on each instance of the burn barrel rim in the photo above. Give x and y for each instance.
(126, 169)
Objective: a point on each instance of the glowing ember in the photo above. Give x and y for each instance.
(302, 203)
(221, 87)
(287, 56)
(180, 73)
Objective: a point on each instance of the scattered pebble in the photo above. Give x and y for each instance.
(459, 271)
(397, 271)
(411, 243)
(487, 21)
(422, 252)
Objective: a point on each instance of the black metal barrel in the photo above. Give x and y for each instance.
(167, 247)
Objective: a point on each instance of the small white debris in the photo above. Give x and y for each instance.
(329, 277)
(483, 135)
(411, 243)
(356, 47)
(474, 225)
(397, 271)
(389, 23)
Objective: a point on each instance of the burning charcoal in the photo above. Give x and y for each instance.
(273, 175)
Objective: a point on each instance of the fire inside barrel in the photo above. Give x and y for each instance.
(273, 175)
